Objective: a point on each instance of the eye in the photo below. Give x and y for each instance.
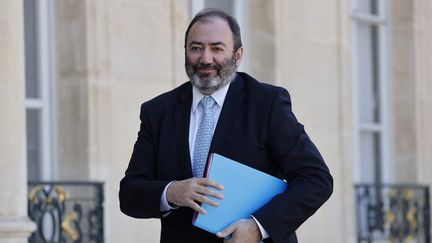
(195, 48)
(217, 49)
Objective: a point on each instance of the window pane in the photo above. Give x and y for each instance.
(33, 143)
(368, 76)
(367, 6)
(225, 5)
(369, 157)
(32, 84)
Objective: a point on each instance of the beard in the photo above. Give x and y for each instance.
(206, 83)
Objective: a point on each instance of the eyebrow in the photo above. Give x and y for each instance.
(217, 43)
(212, 44)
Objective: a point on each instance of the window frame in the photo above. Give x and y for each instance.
(383, 127)
(44, 103)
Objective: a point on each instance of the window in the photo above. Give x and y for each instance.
(38, 63)
(370, 94)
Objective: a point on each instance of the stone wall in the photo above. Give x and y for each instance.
(423, 89)
(313, 62)
(15, 227)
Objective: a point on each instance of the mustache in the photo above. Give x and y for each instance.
(201, 66)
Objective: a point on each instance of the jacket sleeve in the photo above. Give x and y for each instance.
(301, 165)
(140, 191)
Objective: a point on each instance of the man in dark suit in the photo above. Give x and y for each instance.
(229, 113)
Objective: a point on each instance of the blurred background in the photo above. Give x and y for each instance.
(73, 74)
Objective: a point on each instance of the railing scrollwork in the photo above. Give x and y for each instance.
(393, 213)
(66, 212)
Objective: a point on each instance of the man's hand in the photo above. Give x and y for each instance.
(192, 191)
(242, 231)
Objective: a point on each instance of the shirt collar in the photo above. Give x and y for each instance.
(219, 96)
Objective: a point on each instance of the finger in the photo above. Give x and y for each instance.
(197, 208)
(227, 231)
(203, 199)
(210, 192)
(208, 182)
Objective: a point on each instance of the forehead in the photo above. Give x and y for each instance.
(211, 30)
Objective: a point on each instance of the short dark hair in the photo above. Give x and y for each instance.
(214, 12)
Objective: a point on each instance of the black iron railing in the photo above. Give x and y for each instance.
(393, 213)
(66, 212)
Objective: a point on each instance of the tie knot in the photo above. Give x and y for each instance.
(207, 102)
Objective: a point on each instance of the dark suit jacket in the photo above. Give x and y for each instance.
(256, 127)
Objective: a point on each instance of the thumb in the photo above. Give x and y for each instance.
(227, 231)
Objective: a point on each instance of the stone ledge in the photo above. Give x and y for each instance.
(16, 228)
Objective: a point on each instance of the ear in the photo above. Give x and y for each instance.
(239, 56)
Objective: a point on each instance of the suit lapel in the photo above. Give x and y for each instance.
(182, 117)
(231, 107)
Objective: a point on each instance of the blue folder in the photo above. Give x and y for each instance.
(245, 190)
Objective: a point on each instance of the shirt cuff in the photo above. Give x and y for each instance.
(264, 233)
(164, 205)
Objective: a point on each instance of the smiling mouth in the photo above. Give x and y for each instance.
(205, 71)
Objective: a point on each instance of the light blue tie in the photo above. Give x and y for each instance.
(203, 137)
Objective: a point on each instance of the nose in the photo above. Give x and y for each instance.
(206, 57)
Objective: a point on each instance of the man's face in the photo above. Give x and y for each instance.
(210, 62)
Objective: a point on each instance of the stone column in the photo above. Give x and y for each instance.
(14, 223)
(423, 88)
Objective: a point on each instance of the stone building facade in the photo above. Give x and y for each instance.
(359, 73)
